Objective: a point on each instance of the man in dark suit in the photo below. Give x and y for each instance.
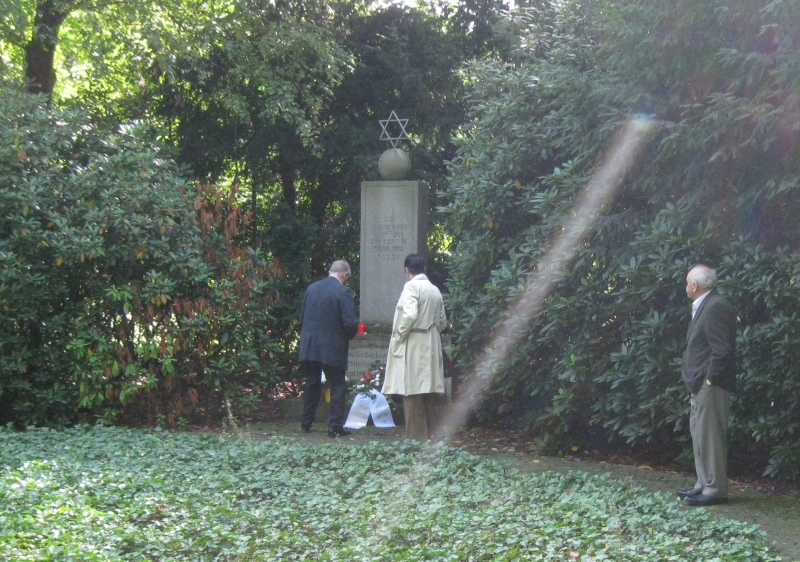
(327, 323)
(709, 372)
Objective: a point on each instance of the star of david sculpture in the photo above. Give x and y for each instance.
(394, 163)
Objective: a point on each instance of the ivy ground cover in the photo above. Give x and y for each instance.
(97, 493)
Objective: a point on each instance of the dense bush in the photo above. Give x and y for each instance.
(93, 494)
(716, 185)
(121, 288)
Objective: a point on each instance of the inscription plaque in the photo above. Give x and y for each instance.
(393, 225)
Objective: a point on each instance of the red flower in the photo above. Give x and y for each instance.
(368, 377)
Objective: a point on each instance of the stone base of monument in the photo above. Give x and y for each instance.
(370, 350)
(367, 351)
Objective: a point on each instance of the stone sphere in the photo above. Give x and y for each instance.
(394, 164)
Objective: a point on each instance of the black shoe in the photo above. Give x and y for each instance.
(704, 500)
(690, 493)
(338, 432)
(305, 428)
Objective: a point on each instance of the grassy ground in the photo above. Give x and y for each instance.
(777, 514)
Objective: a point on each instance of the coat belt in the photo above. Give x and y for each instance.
(421, 330)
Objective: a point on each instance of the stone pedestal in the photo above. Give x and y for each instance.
(394, 223)
(365, 351)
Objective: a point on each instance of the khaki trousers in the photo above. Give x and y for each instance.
(422, 413)
(708, 423)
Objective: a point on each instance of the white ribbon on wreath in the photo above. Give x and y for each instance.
(365, 406)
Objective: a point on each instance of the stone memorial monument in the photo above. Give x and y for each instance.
(394, 223)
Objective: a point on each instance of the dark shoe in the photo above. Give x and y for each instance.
(305, 428)
(690, 493)
(704, 500)
(334, 432)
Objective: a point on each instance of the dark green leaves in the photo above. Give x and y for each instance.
(718, 184)
(112, 494)
(117, 277)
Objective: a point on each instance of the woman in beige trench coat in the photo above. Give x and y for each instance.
(414, 367)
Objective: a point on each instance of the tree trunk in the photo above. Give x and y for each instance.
(254, 212)
(287, 184)
(40, 74)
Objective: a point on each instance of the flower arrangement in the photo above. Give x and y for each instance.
(371, 381)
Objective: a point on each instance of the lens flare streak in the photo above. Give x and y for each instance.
(553, 266)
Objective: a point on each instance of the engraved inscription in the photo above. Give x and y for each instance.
(361, 359)
(389, 238)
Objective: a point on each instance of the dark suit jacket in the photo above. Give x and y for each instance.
(327, 323)
(711, 345)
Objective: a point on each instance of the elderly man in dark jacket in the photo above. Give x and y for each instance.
(327, 323)
(709, 373)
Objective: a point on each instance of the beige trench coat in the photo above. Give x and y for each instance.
(414, 364)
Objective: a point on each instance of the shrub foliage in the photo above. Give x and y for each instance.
(717, 184)
(121, 287)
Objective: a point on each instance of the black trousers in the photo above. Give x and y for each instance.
(313, 373)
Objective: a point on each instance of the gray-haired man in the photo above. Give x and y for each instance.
(327, 324)
(709, 372)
